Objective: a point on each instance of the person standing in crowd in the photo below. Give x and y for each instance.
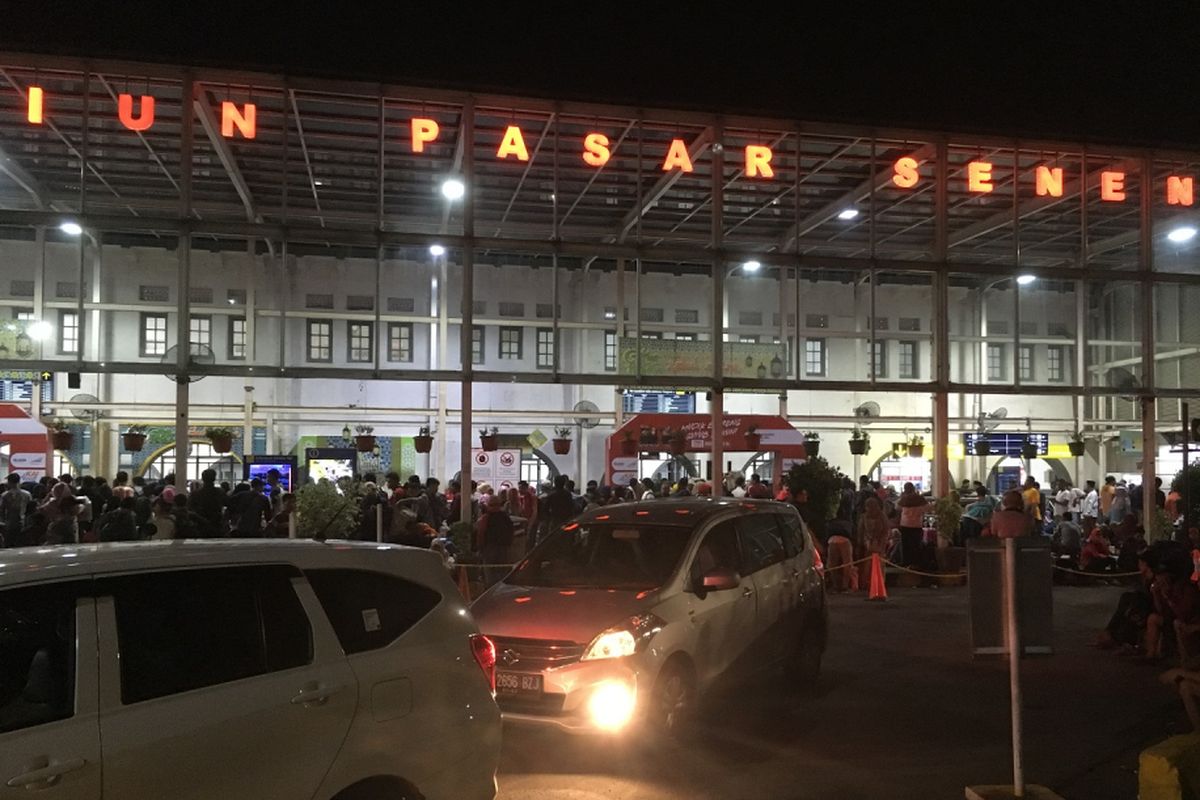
(648, 489)
(280, 525)
(560, 506)
(163, 522)
(1013, 520)
(1107, 493)
(682, 487)
(430, 506)
(208, 503)
(1031, 496)
(757, 490)
(251, 510)
(913, 507)
(493, 538)
(121, 488)
(14, 506)
(739, 487)
(1089, 506)
(1120, 507)
(120, 524)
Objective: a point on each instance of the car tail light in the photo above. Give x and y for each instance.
(484, 651)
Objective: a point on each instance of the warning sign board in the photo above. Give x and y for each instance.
(500, 468)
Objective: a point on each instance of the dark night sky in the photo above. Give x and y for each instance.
(1096, 71)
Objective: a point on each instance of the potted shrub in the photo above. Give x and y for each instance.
(221, 439)
(676, 440)
(1029, 450)
(916, 446)
(562, 441)
(629, 444)
(983, 445)
(134, 438)
(489, 439)
(753, 439)
(951, 559)
(1076, 444)
(812, 444)
(61, 436)
(859, 441)
(423, 441)
(364, 438)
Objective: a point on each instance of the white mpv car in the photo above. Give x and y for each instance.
(222, 670)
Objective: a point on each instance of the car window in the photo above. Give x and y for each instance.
(187, 629)
(597, 555)
(794, 539)
(37, 655)
(761, 541)
(370, 610)
(719, 550)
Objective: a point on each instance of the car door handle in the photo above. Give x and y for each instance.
(315, 695)
(46, 776)
(747, 592)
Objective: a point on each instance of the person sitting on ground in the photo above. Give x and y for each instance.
(1176, 600)
(1013, 520)
(1068, 538)
(1095, 555)
(1127, 626)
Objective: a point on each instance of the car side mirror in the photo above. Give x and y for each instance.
(720, 579)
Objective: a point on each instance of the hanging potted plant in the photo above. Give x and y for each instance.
(916, 446)
(983, 445)
(676, 441)
(753, 439)
(61, 436)
(629, 444)
(1029, 449)
(134, 438)
(221, 439)
(562, 441)
(364, 438)
(812, 444)
(423, 441)
(1077, 444)
(859, 441)
(489, 439)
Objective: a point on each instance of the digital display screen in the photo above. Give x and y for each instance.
(660, 402)
(1008, 444)
(331, 469)
(260, 471)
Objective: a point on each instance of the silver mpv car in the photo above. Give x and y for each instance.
(631, 612)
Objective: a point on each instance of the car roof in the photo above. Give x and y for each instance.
(687, 512)
(28, 564)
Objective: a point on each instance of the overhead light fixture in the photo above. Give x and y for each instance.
(751, 266)
(453, 189)
(437, 250)
(71, 228)
(1025, 280)
(40, 330)
(1182, 233)
(610, 314)
(232, 301)
(848, 213)
(318, 183)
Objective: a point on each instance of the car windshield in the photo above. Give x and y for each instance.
(604, 557)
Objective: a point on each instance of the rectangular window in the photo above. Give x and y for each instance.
(401, 305)
(814, 357)
(1025, 362)
(910, 323)
(878, 359)
(200, 331)
(610, 351)
(400, 335)
(545, 348)
(908, 360)
(153, 335)
(547, 310)
(512, 309)
(237, 337)
(816, 320)
(686, 316)
(200, 295)
(153, 294)
(477, 342)
(651, 335)
(1055, 363)
(747, 338)
(37, 668)
(510, 343)
(23, 314)
(68, 332)
(318, 301)
(685, 337)
(995, 362)
(320, 340)
(752, 319)
(360, 302)
(360, 341)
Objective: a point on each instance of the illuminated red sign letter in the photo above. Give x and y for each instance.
(125, 112)
(595, 150)
(677, 157)
(979, 176)
(904, 172)
(35, 105)
(423, 130)
(243, 120)
(513, 144)
(1048, 181)
(1112, 186)
(758, 161)
(1179, 191)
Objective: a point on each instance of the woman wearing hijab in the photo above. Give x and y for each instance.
(1012, 520)
(1120, 507)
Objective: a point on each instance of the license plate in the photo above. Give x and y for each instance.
(518, 683)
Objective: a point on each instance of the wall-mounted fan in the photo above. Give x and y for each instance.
(586, 407)
(1123, 380)
(866, 412)
(199, 355)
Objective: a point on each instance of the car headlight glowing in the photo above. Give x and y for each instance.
(611, 705)
(625, 639)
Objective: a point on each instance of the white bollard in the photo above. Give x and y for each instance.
(292, 525)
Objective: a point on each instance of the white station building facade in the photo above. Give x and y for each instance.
(292, 258)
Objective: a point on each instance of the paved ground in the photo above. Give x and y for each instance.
(902, 711)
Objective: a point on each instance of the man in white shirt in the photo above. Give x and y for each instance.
(1066, 501)
(739, 486)
(1089, 506)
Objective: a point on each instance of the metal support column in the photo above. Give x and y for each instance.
(183, 306)
(717, 409)
(468, 306)
(1149, 406)
(941, 332)
(248, 422)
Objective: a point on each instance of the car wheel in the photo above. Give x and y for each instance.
(804, 666)
(673, 703)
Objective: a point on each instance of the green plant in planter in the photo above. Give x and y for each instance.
(860, 442)
(563, 433)
(328, 510)
(948, 513)
(460, 533)
(1160, 527)
(1190, 475)
(824, 486)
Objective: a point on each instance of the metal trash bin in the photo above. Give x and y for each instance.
(1035, 601)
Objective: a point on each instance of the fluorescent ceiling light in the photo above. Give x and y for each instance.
(1181, 234)
(437, 250)
(848, 213)
(453, 189)
(71, 228)
(40, 330)
(751, 266)
(1025, 280)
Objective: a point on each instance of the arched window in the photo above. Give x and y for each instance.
(201, 456)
